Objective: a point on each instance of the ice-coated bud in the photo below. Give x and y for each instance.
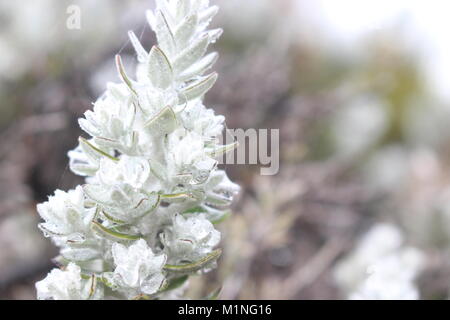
(138, 269)
(64, 214)
(67, 285)
(111, 121)
(189, 239)
(202, 121)
(128, 170)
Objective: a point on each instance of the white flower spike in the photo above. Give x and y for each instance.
(144, 219)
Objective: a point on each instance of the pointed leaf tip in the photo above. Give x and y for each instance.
(200, 87)
(123, 75)
(142, 54)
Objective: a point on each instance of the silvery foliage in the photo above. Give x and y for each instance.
(381, 267)
(66, 285)
(144, 220)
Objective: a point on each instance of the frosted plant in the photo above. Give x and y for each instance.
(391, 278)
(381, 267)
(66, 285)
(144, 220)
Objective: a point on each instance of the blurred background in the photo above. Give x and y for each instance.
(359, 90)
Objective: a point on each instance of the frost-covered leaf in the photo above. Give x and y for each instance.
(158, 169)
(214, 35)
(199, 68)
(182, 8)
(138, 268)
(199, 88)
(201, 120)
(159, 69)
(207, 15)
(67, 285)
(93, 151)
(80, 254)
(123, 75)
(224, 215)
(176, 197)
(163, 31)
(192, 54)
(112, 219)
(65, 214)
(122, 202)
(196, 265)
(186, 30)
(190, 239)
(113, 234)
(142, 54)
(133, 171)
(81, 163)
(217, 151)
(165, 6)
(98, 193)
(162, 123)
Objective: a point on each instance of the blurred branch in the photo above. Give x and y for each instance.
(307, 273)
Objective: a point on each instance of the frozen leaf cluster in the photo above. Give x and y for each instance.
(67, 285)
(381, 267)
(144, 220)
(138, 269)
